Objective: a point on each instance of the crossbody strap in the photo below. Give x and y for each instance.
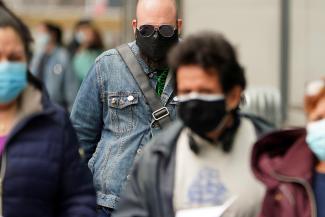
(160, 113)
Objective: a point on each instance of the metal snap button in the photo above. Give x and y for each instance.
(130, 98)
(114, 102)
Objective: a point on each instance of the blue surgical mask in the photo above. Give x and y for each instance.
(316, 138)
(13, 80)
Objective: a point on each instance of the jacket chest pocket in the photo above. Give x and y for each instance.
(121, 109)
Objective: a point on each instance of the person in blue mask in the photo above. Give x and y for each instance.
(291, 163)
(41, 174)
(51, 64)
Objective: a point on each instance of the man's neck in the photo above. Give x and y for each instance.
(320, 168)
(50, 48)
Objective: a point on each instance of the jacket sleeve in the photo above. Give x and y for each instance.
(70, 81)
(77, 196)
(71, 86)
(133, 200)
(86, 114)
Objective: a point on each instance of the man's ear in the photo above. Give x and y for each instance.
(179, 25)
(233, 98)
(134, 25)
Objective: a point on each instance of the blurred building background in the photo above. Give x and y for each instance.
(256, 28)
(280, 42)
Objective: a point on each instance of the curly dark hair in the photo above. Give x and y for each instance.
(9, 19)
(212, 52)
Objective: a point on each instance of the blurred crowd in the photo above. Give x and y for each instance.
(62, 68)
(156, 127)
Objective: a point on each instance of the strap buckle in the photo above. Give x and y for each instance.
(160, 114)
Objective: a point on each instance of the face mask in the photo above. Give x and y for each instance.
(13, 80)
(80, 37)
(156, 46)
(42, 39)
(316, 138)
(202, 113)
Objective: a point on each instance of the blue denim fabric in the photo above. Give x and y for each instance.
(113, 122)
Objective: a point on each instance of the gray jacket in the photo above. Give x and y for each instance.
(59, 78)
(150, 191)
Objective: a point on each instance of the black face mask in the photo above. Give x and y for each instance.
(156, 47)
(202, 116)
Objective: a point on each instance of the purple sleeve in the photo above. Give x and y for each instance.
(2, 143)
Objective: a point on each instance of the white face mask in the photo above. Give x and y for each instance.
(41, 41)
(316, 138)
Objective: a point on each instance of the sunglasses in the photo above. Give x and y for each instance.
(164, 30)
(315, 87)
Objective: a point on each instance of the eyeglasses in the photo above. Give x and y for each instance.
(164, 30)
(315, 87)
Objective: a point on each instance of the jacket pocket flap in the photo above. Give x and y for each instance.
(122, 100)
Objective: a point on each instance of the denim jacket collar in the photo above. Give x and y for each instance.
(169, 88)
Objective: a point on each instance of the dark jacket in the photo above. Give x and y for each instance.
(150, 191)
(41, 170)
(285, 164)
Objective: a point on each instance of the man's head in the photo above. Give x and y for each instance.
(156, 12)
(156, 29)
(209, 80)
(49, 35)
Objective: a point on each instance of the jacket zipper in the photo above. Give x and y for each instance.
(307, 187)
(2, 176)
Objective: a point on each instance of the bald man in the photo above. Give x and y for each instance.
(113, 116)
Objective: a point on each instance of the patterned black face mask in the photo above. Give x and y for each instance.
(202, 114)
(156, 47)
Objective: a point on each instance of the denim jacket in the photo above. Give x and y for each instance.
(59, 79)
(113, 121)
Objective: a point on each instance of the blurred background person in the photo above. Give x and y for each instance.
(41, 171)
(85, 47)
(51, 64)
(291, 163)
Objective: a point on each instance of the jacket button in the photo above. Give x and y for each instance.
(114, 101)
(128, 177)
(130, 98)
(139, 151)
